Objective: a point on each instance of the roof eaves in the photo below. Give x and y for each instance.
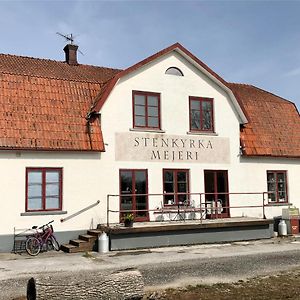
(271, 155)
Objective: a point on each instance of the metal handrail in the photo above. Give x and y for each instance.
(80, 212)
(201, 202)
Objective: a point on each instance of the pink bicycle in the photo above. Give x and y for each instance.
(42, 238)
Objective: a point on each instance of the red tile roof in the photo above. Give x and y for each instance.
(274, 123)
(20, 65)
(44, 103)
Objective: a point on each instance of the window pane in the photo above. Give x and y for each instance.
(281, 186)
(169, 187)
(195, 119)
(140, 182)
(34, 203)
(52, 176)
(140, 110)
(34, 191)
(282, 197)
(168, 176)
(207, 120)
(139, 99)
(272, 197)
(153, 111)
(52, 190)
(271, 187)
(182, 188)
(126, 182)
(140, 121)
(34, 177)
(141, 206)
(153, 122)
(181, 176)
(174, 71)
(206, 105)
(281, 177)
(182, 198)
(195, 104)
(152, 101)
(52, 202)
(271, 177)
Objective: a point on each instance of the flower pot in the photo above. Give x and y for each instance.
(128, 223)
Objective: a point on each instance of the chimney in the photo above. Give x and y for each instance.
(71, 54)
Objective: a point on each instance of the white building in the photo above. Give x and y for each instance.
(73, 134)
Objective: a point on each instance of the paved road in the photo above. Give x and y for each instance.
(163, 267)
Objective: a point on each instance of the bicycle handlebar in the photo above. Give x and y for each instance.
(41, 227)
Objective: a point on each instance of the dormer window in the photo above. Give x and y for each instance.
(174, 71)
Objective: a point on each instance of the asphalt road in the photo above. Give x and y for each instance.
(161, 268)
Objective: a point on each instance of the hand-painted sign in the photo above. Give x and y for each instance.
(161, 147)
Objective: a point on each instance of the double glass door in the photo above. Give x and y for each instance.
(216, 194)
(133, 191)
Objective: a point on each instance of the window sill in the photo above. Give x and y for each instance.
(279, 204)
(202, 133)
(147, 130)
(43, 213)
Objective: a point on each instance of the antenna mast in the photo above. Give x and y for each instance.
(68, 37)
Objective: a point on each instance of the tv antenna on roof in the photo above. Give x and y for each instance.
(69, 38)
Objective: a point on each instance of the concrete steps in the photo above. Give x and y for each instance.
(85, 242)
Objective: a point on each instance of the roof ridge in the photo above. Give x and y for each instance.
(238, 83)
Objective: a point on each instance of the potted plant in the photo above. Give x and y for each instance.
(128, 220)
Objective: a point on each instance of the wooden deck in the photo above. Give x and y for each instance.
(171, 233)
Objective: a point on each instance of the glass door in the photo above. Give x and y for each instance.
(133, 191)
(216, 194)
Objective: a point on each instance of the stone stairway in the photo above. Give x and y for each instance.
(85, 242)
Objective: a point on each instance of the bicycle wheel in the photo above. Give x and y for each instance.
(49, 245)
(54, 242)
(33, 246)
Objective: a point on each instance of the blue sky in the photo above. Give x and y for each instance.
(255, 42)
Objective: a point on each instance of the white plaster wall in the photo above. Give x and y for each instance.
(116, 116)
(80, 189)
(88, 177)
(244, 175)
